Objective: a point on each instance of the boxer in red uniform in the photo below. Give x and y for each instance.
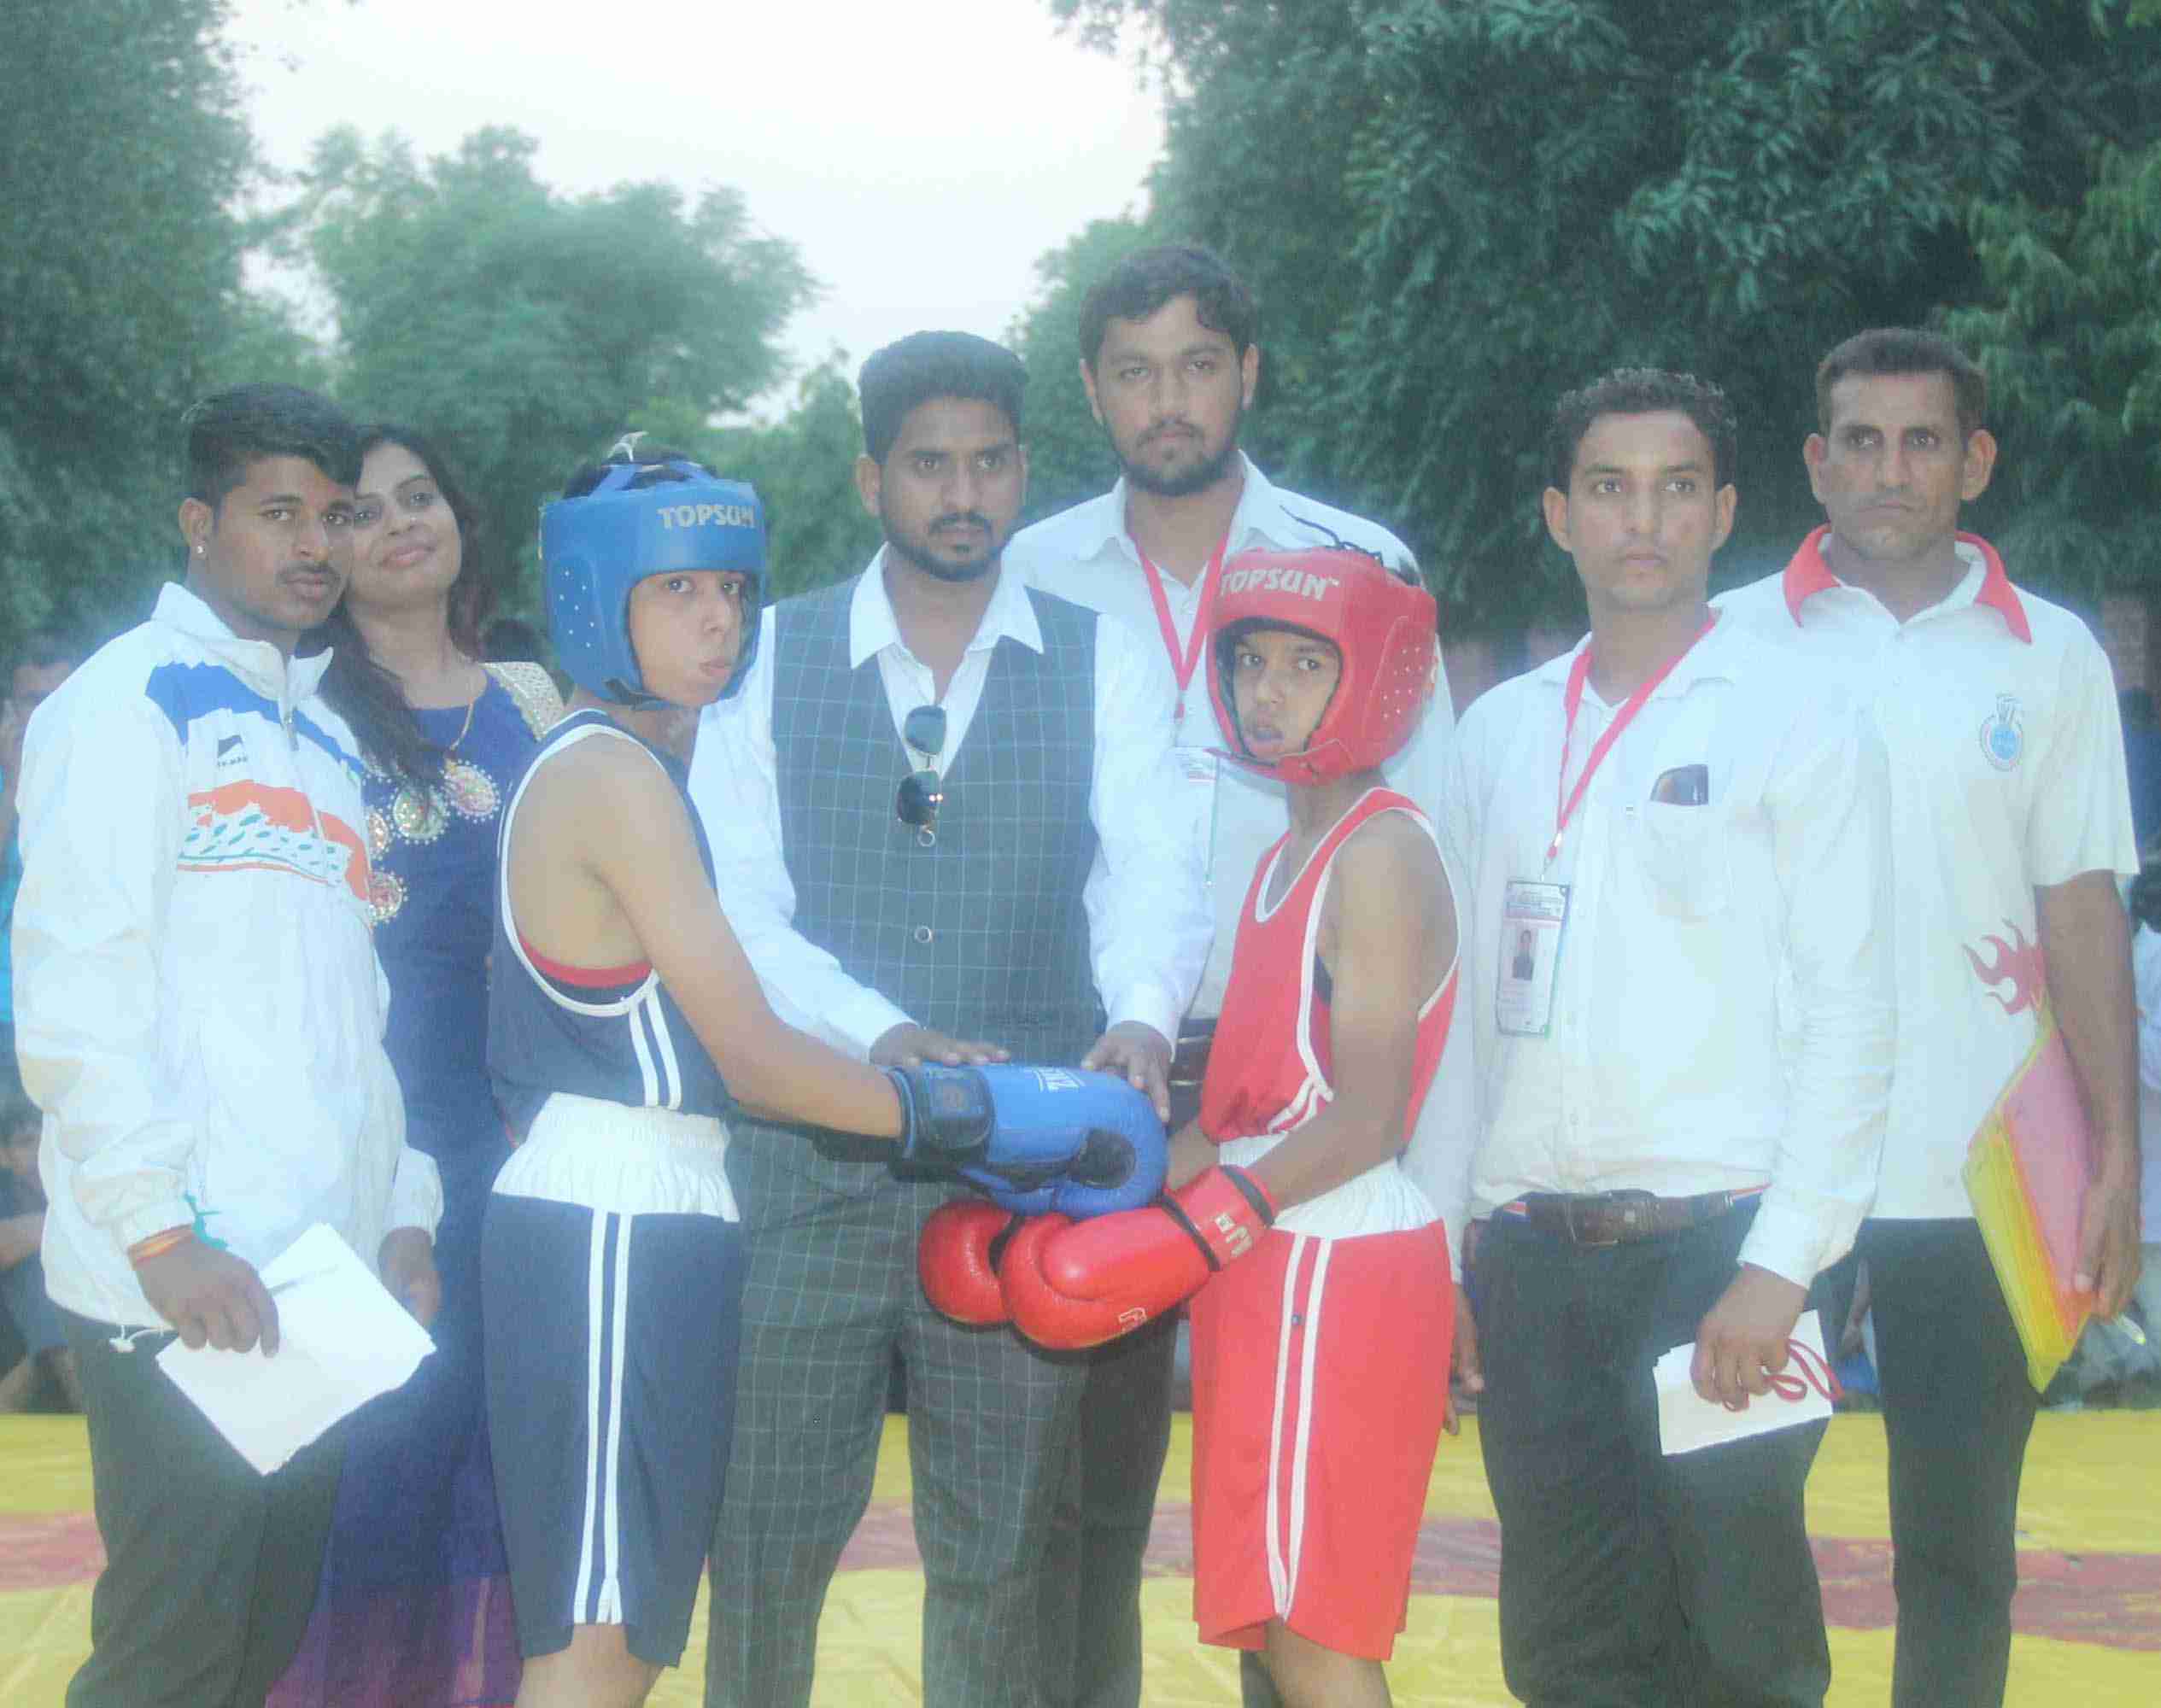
(1320, 1338)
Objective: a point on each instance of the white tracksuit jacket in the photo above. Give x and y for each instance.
(199, 1010)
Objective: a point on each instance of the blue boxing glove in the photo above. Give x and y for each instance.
(1122, 1161)
(1033, 1138)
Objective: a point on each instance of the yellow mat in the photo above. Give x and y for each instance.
(2089, 1618)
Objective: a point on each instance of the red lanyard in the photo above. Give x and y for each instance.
(1183, 660)
(1571, 702)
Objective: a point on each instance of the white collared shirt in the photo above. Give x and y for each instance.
(1148, 925)
(1722, 1008)
(1085, 554)
(1999, 715)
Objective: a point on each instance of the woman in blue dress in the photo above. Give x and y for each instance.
(413, 1610)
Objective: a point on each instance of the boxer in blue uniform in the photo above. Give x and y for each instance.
(625, 1027)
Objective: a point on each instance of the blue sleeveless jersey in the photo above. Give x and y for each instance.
(625, 1043)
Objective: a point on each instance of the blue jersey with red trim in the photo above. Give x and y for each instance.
(614, 1032)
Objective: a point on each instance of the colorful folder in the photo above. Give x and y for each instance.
(2027, 1172)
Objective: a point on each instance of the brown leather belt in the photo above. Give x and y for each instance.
(1614, 1217)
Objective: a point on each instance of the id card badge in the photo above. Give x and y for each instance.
(1532, 917)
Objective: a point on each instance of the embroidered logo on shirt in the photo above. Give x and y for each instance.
(2003, 737)
(2021, 967)
(231, 750)
(251, 827)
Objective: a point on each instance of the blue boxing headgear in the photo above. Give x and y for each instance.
(643, 520)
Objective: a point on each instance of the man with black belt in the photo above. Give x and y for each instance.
(1683, 1092)
(1170, 359)
(941, 826)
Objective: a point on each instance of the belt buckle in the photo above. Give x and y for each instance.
(1601, 1201)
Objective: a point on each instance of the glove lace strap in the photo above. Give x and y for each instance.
(1177, 1212)
(1251, 1193)
(1256, 1199)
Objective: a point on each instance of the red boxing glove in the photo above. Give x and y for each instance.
(956, 1260)
(1070, 1285)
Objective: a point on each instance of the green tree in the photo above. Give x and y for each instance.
(2071, 341)
(1069, 457)
(1453, 213)
(804, 468)
(119, 268)
(526, 328)
(803, 463)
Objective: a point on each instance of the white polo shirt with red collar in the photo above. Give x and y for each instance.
(1998, 713)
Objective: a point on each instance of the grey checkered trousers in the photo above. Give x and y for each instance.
(976, 929)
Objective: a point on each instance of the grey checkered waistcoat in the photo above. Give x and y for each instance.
(976, 929)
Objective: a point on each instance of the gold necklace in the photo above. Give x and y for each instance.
(467, 790)
(465, 728)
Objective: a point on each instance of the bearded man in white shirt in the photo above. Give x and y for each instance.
(2011, 823)
(1170, 359)
(940, 823)
(1683, 1099)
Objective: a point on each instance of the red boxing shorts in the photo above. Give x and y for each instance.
(1320, 1382)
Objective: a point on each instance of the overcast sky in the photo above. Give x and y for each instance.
(920, 158)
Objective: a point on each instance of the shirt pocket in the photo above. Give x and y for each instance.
(1682, 853)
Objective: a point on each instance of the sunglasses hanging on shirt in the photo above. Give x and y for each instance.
(921, 793)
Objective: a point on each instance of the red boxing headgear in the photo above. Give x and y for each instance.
(1385, 628)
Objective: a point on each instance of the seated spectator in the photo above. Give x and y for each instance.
(2110, 1362)
(2118, 1356)
(45, 1358)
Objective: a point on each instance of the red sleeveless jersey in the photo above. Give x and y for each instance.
(1269, 1069)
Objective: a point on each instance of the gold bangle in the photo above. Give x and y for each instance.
(157, 1244)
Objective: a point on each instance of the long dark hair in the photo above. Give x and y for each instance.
(359, 690)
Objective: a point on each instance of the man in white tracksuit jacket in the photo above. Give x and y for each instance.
(200, 1016)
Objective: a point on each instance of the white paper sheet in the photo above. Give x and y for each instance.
(1688, 1421)
(342, 1340)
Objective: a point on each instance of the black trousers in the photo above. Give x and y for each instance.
(1091, 1628)
(1957, 1409)
(1628, 1578)
(210, 1566)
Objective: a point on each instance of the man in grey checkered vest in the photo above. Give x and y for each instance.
(943, 827)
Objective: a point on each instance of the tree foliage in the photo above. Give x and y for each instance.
(120, 272)
(803, 464)
(2070, 337)
(525, 328)
(804, 468)
(1069, 457)
(1453, 213)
